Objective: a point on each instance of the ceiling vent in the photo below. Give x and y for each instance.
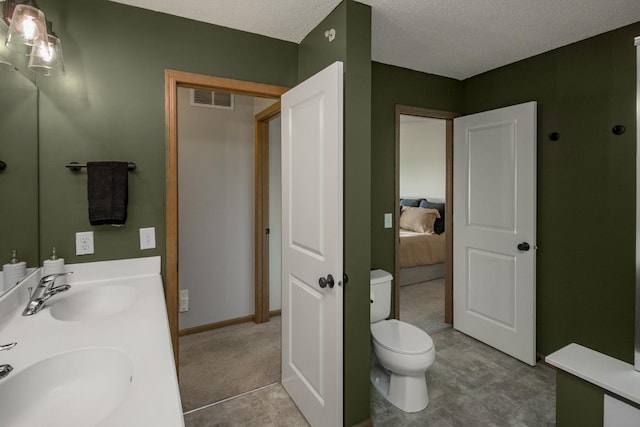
(210, 99)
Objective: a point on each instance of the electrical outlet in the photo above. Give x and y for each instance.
(184, 300)
(147, 238)
(388, 218)
(84, 243)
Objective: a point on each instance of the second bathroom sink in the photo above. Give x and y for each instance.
(97, 302)
(79, 388)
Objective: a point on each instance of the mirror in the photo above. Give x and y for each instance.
(637, 332)
(19, 153)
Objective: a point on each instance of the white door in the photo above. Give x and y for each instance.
(494, 216)
(312, 131)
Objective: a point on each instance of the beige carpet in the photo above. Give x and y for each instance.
(422, 305)
(269, 407)
(225, 362)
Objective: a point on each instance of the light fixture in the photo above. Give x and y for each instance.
(46, 56)
(30, 33)
(27, 25)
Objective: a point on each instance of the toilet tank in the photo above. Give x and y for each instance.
(380, 295)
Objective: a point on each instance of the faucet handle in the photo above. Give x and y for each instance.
(8, 346)
(52, 277)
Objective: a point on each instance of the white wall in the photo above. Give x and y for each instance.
(422, 157)
(216, 210)
(275, 215)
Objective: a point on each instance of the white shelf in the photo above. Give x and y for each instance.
(608, 373)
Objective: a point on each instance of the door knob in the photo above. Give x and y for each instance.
(323, 282)
(524, 246)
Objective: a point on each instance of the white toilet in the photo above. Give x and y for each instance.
(404, 351)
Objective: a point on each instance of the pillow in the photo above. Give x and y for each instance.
(438, 226)
(411, 202)
(420, 220)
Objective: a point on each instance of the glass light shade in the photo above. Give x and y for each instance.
(46, 57)
(28, 26)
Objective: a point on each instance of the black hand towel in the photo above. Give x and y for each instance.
(107, 191)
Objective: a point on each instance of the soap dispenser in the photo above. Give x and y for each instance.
(53, 265)
(13, 272)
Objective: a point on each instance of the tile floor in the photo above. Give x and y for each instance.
(470, 384)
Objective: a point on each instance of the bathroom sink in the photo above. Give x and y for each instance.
(92, 303)
(78, 388)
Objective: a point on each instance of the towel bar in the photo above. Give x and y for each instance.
(75, 166)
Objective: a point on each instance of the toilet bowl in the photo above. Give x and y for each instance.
(402, 351)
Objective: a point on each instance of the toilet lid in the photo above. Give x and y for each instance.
(401, 337)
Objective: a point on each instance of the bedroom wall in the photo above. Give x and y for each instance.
(585, 262)
(422, 158)
(216, 210)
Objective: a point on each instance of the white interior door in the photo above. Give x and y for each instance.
(312, 129)
(494, 215)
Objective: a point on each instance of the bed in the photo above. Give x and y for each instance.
(422, 241)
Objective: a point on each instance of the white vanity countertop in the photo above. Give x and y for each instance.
(604, 371)
(139, 329)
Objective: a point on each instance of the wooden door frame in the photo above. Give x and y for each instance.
(262, 120)
(174, 79)
(448, 116)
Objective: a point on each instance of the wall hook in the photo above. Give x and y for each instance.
(618, 129)
(554, 136)
(3, 165)
(330, 34)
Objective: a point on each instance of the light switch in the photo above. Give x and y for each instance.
(388, 220)
(147, 238)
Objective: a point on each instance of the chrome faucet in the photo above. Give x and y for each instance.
(43, 292)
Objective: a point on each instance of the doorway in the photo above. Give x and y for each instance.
(173, 80)
(440, 200)
(219, 191)
(268, 215)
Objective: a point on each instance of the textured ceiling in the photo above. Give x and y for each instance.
(453, 38)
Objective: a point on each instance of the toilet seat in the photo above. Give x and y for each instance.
(401, 337)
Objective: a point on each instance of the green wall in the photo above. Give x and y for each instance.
(357, 191)
(352, 46)
(391, 86)
(316, 52)
(586, 186)
(110, 106)
(578, 403)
